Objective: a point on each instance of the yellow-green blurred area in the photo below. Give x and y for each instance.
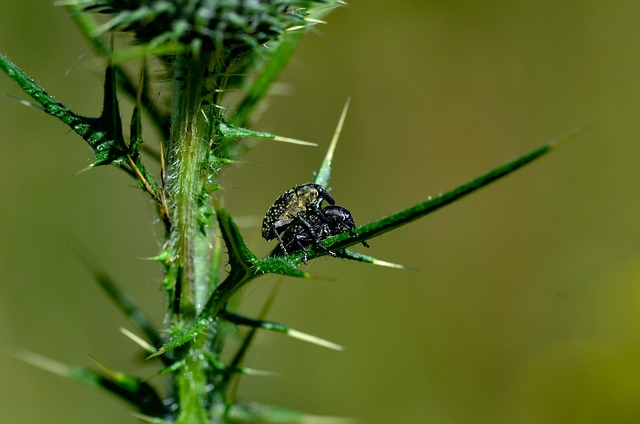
(526, 305)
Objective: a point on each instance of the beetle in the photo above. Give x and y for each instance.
(331, 220)
(296, 205)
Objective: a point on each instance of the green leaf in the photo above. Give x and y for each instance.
(258, 413)
(127, 387)
(359, 257)
(103, 134)
(183, 334)
(278, 328)
(324, 173)
(240, 257)
(396, 220)
(231, 131)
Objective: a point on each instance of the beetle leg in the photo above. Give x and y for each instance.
(326, 250)
(301, 247)
(364, 243)
(277, 237)
(307, 226)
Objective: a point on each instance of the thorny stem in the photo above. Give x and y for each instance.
(188, 154)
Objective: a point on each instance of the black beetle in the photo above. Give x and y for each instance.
(295, 205)
(330, 221)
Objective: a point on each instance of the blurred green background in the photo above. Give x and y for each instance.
(526, 308)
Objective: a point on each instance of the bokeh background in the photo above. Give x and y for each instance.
(526, 305)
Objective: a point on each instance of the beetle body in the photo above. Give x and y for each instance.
(293, 205)
(330, 221)
(297, 215)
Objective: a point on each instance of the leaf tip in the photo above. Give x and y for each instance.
(314, 340)
(554, 144)
(157, 353)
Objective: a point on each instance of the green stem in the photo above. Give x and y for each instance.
(192, 384)
(188, 153)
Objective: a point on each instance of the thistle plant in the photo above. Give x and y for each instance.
(205, 50)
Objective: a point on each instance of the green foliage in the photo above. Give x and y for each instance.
(204, 46)
(103, 134)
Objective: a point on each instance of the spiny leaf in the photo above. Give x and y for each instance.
(127, 387)
(231, 131)
(258, 413)
(279, 328)
(103, 134)
(355, 256)
(281, 265)
(182, 335)
(376, 228)
(239, 254)
(138, 340)
(324, 173)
